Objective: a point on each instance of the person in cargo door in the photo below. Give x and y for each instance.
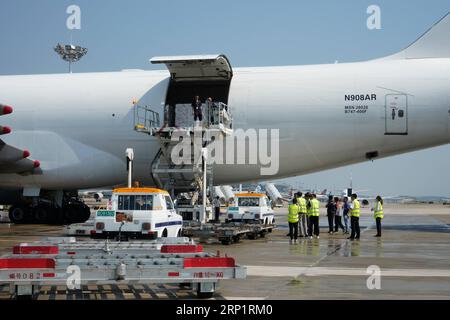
(197, 108)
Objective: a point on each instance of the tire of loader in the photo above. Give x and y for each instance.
(226, 242)
(251, 236)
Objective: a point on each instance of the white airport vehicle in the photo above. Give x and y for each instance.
(138, 213)
(253, 207)
(160, 261)
(363, 110)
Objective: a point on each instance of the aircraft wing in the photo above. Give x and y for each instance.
(12, 159)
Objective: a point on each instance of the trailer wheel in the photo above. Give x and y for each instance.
(164, 234)
(180, 233)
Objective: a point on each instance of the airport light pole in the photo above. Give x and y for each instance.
(70, 53)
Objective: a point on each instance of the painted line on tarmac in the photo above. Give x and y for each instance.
(274, 271)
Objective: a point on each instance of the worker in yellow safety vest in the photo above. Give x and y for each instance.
(313, 227)
(355, 211)
(293, 220)
(302, 216)
(378, 214)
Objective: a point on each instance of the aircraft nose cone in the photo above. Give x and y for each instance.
(37, 164)
(26, 153)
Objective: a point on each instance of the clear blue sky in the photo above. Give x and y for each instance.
(125, 34)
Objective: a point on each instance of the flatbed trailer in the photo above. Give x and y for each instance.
(226, 233)
(65, 261)
(80, 229)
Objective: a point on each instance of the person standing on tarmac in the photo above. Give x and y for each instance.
(331, 212)
(216, 204)
(355, 210)
(302, 215)
(295, 197)
(293, 220)
(314, 217)
(378, 214)
(346, 207)
(338, 217)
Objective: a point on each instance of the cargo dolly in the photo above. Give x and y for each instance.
(226, 233)
(64, 261)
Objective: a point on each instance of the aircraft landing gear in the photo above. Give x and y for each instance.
(19, 214)
(73, 211)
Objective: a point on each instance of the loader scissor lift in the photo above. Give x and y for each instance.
(206, 76)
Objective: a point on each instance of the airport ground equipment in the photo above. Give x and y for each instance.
(274, 195)
(228, 192)
(80, 229)
(226, 233)
(138, 213)
(64, 261)
(181, 164)
(251, 207)
(190, 211)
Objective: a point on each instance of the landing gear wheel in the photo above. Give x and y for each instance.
(41, 215)
(85, 215)
(18, 215)
(70, 215)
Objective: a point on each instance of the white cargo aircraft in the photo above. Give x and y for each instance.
(65, 132)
